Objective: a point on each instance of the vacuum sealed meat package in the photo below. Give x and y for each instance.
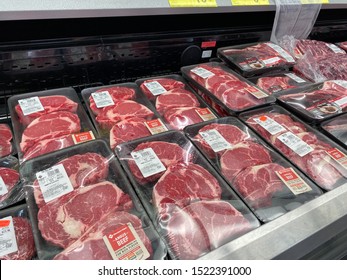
(192, 207)
(6, 141)
(46, 121)
(80, 203)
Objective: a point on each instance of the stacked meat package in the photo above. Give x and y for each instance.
(193, 208)
(269, 184)
(226, 91)
(17, 240)
(47, 121)
(82, 207)
(322, 160)
(336, 128)
(175, 101)
(6, 144)
(120, 113)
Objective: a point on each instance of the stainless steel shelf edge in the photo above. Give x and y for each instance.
(310, 225)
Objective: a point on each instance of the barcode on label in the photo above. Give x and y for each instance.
(155, 88)
(202, 72)
(295, 143)
(215, 140)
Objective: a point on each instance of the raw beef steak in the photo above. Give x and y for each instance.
(82, 170)
(166, 83)
(53, 103)
(230, 133)
(10, 178)
(109, 116)
(179, 118)
(241, 156)
(117, 93)
(183, 184)
(168, 153)
(49, 126)
(5, 132)
(128, 129)
(24, 239)
(203, 226)
(5, 148)
(91, 246)
(47, 146)
(174, 98)
(67, 218)
(343, 45)
(275, 84)
(258, 184)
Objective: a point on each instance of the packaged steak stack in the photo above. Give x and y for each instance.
(321, 159)
(193, 208)
(120, 113)
(316, 102)
(6, 141)
(82, 207)
(11, 190)
(17, 239)
(276, 83)
(336, 128)
(270, 185)
(256, 58)
(47, 121)
(226, 91)
(175, 101)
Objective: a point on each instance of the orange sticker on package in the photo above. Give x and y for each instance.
(83, 137)
(125, 244)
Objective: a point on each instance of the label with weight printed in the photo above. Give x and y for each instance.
(8, 243)
(30, 105)
(281, 52)
(216, 141)
(54, 182)
(102, 99)
(270, 125)
(148, 162)
(3, 188)
(297, 145)
(202, 72)
(155, 88)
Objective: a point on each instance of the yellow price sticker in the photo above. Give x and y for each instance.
(192, 3)
(314, 1)
(250, 2)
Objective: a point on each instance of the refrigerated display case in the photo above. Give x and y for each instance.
(52, 45)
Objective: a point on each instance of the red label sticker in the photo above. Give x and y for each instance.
(83, 137)
(293, 181)
(121, 238)
(338, 156)
(205, 114)
(155, 126)
(4, 223)
(208, 44)
(256, 92)
(288, 174)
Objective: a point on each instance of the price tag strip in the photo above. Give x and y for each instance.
(30, 105)
(83, 137)
(156, 126)
(257, 93)
(3, 188)
(202, 72)
(269, 125)
(338, 156)
(205, 114)
(192, 3)
(155, 88)
(293, 181)
(125, 244)
(102, 99)
(8, 243)
(295, 143)
(54, 182)
(216, 141)
(148, 162)
(250, 2)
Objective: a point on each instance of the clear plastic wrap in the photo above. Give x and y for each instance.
(256, 58)
(6, 140)
(321, 159)
(121, 113)
(80, 198)
(336, 128)
(47, 121)
(254, 170)
(193, 208)
(16, 233)
(225, 88)
(175, 101)
(276, 83)
(11, 189)
(316, 102)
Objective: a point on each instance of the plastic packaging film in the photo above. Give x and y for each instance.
(293, 19)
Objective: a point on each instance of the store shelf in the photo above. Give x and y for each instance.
(37, 9)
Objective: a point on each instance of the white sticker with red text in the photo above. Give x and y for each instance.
(102, 99)
(125, 244)
(155, 88)
(216, 141)
(297, 145)
(293, 181)
(269, 125)
(155, 126)
(3, 188)
(338, 156)
(83, 137)
(8, 243)
(30, 105)
(148, 162)
(205, 114)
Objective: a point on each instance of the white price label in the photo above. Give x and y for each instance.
(202, 72)
(271, 60)
(3, 188)
(102, 99)
(54, 182)
(206, 54)
(30, 105)
(155, 88)
(148, 162)
(8, 243)
(270, 125)
(295, 143)
(295, 78)
(281, 52)
(341, 83)
(335, 48)
(216, 141)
